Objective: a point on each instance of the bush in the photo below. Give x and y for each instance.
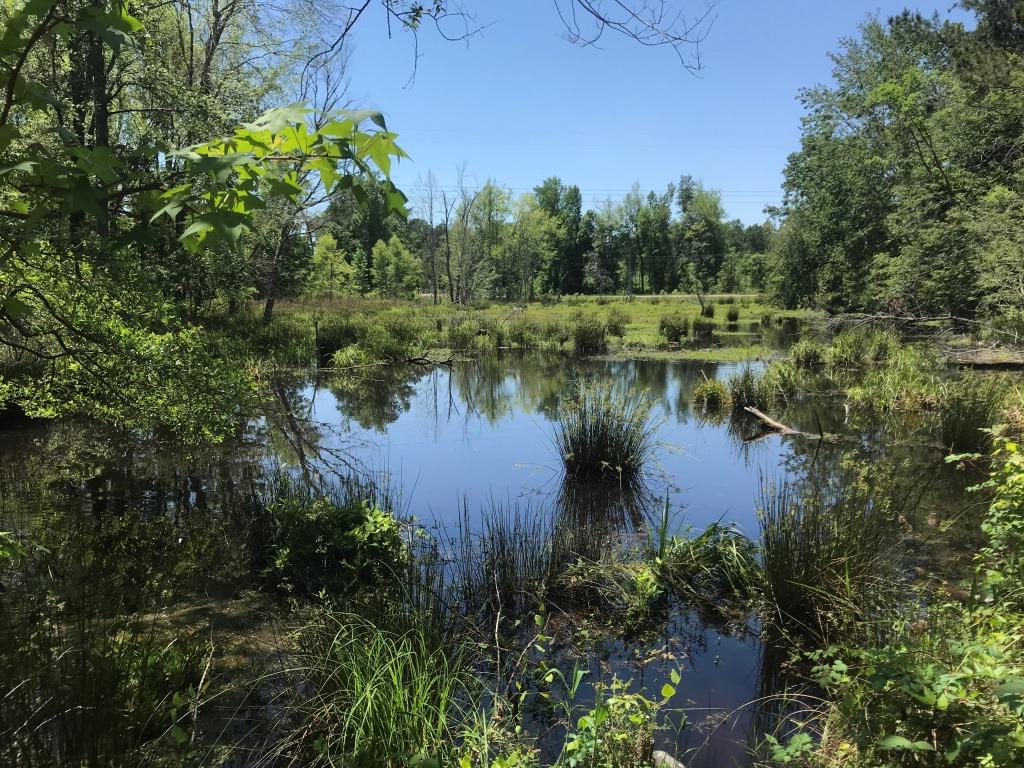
(523, 334)
(339, 543)
(707, 310)
(588, 334)
(603, 431)
(711, 395)
(702, 327)
(674, 327)
(807, 355)
(617, 322)
(733, 315)
(461, 335)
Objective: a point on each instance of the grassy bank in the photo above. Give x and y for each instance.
(350, 332)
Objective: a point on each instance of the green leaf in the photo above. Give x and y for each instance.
(901, 743)
(667, 691)
(179, 735)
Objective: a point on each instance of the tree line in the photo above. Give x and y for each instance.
(486, 243)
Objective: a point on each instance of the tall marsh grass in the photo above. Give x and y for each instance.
(603, 431)
(364, 693)
(971, 405)
(830, 557)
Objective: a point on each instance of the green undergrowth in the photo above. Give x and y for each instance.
(946, 685)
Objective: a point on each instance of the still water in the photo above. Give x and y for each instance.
(451, 442)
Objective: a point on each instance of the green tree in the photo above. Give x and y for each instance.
(396, 272)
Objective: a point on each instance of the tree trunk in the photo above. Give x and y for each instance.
(268, 310)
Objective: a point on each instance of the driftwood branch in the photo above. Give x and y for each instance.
(776, 426)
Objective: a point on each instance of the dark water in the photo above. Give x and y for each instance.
(453, 441)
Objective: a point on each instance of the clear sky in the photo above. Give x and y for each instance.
(517, 103)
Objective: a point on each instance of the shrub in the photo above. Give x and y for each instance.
(522, 333)
(733, 314)
(339, 543)
(674, 327)
(711, 395)
(617, 322)
(602, 431)
(461, 335)
(588, 334)
(707, 310)
(807, 355)
(702, 327)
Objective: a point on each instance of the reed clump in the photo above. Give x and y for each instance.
(711, 395)
(830, 557)
(603, 430)
(807, 355)
(971, 405)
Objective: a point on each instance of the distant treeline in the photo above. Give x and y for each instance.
(486, 243)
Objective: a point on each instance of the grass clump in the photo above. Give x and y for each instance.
(369, 693)
(971, 405)
(674, 327)
(602, 430)
(861, 346)
(830, 556)
(746, 389)
(711, 395)
(707, 310)
(719, 564)
(733, 314)
(807, 355)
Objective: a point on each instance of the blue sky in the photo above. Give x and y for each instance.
(517, 103)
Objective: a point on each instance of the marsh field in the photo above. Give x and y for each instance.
(511, 551)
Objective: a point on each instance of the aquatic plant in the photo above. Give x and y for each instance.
(733, 314)
(339, 540)
(745, 388)
(807, 355)
(861, 346)
(830, 555)
(702, 326)
(971, 405)
(674, 327)
(707, 310)
(363, 692)
(604, 431)
(718, 564)
(711, 395)
(908, 381)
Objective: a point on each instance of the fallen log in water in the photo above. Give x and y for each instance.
(777, 426)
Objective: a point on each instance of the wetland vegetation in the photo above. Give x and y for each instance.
(295, 471)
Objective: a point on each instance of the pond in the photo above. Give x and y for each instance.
(454, 442)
